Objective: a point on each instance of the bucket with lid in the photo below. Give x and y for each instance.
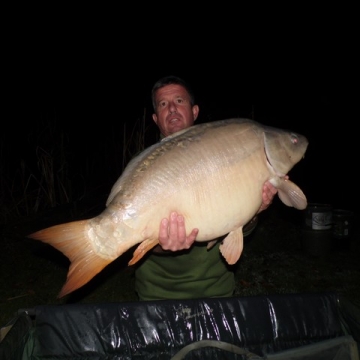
(317, 234)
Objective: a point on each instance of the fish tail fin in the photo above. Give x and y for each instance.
(82, 271)
(70, 239)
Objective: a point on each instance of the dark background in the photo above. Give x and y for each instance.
(87, 85)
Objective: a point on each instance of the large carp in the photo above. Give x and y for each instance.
(212, 173)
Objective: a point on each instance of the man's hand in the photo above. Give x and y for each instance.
(268, 193)
(172, 233)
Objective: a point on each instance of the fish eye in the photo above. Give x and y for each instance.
(294, 139)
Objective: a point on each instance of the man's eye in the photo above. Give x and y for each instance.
(180, 101)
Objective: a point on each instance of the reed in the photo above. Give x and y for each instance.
(49, 171)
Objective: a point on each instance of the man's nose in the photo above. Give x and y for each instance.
(172, 107)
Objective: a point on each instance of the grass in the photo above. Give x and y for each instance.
(284, 257)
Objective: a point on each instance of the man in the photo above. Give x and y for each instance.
(179, 267)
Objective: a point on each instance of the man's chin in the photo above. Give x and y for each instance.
(176, 128)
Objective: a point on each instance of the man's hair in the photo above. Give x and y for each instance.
(169, 80)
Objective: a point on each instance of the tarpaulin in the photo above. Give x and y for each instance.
(258, 327)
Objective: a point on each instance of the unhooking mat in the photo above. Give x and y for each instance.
(289, 326)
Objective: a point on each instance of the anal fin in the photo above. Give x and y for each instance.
(142, 249)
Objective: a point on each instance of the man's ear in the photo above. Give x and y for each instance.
(155, 118)
(195, 111)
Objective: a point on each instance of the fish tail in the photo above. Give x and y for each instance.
(71, 240)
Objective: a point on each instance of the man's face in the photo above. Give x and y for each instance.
(173, 109)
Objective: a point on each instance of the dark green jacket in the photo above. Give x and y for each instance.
(194, 273)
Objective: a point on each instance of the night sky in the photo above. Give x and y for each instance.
(90, 92)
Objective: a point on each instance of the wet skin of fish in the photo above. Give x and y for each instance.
(212, 173)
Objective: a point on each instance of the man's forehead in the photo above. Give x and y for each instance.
(173, 90)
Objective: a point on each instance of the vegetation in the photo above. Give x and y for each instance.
(48, 167)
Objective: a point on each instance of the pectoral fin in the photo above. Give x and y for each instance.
(142, 249)
(232, 246)
(291, 195)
